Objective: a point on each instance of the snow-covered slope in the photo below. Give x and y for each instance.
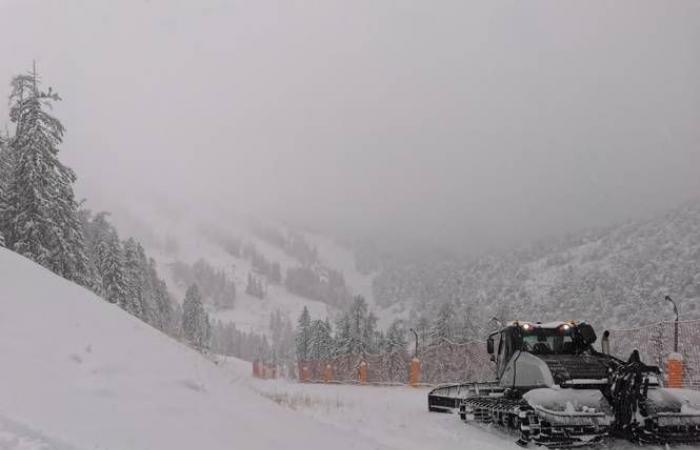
(615, 277)
(171, 238)
(80, 373)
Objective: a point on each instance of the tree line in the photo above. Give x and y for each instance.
(355, 332)
(215, 286)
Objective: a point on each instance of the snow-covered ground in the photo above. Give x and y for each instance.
(80, 373)
(395, 417)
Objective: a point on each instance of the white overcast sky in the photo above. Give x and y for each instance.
(475, 121)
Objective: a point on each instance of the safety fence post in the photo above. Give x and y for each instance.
(328, 374)
(674, 370)
(363, 372)
(256, 368)
(414, 377)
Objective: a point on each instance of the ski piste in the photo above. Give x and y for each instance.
(552, 388)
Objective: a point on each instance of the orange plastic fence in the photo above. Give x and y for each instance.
(265, 371)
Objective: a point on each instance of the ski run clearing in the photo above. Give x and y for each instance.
(80, 373)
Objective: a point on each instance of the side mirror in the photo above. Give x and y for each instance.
(489, 346)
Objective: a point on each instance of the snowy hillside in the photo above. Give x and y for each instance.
(184, 239)
(80, 373)
(616, 277)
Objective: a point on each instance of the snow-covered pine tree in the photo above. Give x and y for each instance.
(372, 339)
(110, 265)
(163, 308)
(195, 321)
(5, 171)
(320, 342)
(342, 342)
(134, 279)
(362, 327)
(466, 331)
(40, 217)
(86, 223)
(303, 335)
(442, 329)
(396, 337)
(395, 346)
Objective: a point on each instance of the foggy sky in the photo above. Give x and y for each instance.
(472, 122)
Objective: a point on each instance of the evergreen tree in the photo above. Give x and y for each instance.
(466, 331)
(40, 214)
(5, 172)
(110, 265)
(163, 308)
(442, 329)
(342, 342)
(86, 224)
(396, 337)
(134, 279)
(357, 330)
(303, 336)
(195, 321)
(362, 327)
(320, 342)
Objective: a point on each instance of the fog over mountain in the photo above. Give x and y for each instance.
(449, 122)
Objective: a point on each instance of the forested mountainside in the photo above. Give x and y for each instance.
(616, 277)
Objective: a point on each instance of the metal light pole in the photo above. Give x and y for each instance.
(415, 349)
(675, 329)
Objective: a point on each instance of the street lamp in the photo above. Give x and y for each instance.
(675, 329)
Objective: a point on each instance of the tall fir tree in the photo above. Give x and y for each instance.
(110, 265)
(442, 329)
(40, 216)
(5, 171)
(396, 337)
(342, 341)
(163, 308)
(195, 321)
(320, 341)
(86, 223)
(135, 279)
(303, 336)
